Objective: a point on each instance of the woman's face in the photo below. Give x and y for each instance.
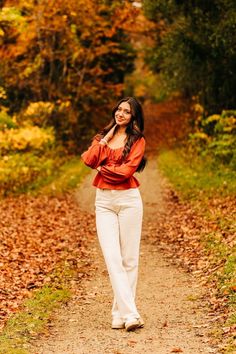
(123, 114)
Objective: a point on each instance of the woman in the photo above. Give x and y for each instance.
(117, 153)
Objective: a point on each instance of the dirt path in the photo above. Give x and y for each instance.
(174, 323)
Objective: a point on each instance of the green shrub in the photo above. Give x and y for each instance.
(17, 171)
(195, 177)
(6, 122)
(216, 137)
(194, 47)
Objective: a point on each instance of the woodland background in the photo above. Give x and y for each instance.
(63, 66)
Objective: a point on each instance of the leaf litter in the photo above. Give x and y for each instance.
(37, 235)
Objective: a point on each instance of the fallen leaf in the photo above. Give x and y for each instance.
(176, 350)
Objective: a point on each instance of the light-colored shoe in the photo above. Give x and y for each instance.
(133, 324)
(141, 322)
(117, 323)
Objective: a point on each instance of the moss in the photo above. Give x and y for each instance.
(31, 321)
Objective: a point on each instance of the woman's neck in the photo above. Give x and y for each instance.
(121, 131)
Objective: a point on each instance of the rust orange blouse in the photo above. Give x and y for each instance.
(115, 173)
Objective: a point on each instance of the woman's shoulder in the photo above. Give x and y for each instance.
(138, 145)
(140, 141)
(96, 139)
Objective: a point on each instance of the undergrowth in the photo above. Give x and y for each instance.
(196, 178)
(210, 189)
(66, 178)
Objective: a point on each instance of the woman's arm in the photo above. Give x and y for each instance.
(97, 152)
(118, 174)
(95, 155)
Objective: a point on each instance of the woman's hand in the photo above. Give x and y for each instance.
(99, 168)
(110, 134)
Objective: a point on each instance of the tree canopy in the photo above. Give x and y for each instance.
(195, 48)
(73, 54)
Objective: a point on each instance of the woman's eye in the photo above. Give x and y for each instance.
(125, 111)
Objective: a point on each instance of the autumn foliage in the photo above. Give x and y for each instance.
(62, 68)
(39, 236)
(71, 54)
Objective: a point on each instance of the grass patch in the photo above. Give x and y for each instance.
(195, 178)
(25, 325)
(68, 177)
(214, 245)
(223, 257)
(36, 312)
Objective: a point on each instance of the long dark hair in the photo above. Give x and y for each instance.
(134, 129)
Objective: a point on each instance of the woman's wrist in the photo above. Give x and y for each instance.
(103, 141)
(108, 136)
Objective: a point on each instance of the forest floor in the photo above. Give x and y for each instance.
(171, 301)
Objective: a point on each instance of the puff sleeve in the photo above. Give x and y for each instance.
(95, 155)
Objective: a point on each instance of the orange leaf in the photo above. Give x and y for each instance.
(176, 350)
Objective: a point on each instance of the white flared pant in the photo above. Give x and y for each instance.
(119, 222)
